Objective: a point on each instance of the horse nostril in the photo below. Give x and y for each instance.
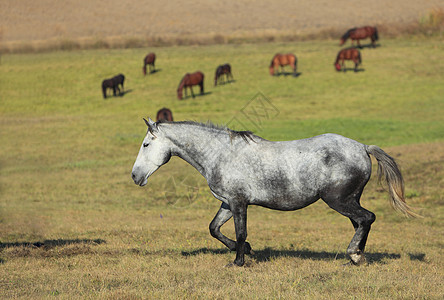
(133, 176)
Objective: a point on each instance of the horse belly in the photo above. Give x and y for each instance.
(281, 191)
(286, 202)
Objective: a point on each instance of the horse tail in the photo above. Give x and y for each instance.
(388, 168)
(295, 63)
(375, 34)
(202, 83)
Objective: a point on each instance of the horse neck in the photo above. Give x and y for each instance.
(202, 147)
(338, 57)
(181, 85)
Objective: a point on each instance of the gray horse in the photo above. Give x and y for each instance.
(243, 169)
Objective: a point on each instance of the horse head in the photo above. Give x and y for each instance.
(271, 70)
(338, 67)
(154, 152)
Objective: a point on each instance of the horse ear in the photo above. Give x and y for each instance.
(152, 126)
(150, 123)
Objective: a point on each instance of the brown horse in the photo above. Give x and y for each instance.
(149, 60)
(188, 81)
(283, 60)
(220, 71)
(164, 114)
(356, 34)
(348, 54)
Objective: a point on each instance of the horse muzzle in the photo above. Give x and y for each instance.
(139, 180)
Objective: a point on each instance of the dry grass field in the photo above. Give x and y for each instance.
(37, 23)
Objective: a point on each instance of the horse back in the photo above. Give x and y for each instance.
(348, 53)
(195, 78)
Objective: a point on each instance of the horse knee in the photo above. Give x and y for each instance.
(370, 218)
(214, 230)
(366, 220)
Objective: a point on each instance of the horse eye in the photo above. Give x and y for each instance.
(145, 145)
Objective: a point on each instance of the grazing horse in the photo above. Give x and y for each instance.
(283, 60)
(243, 169)
(113, 83)
(164, 114)
(149, 60)
(356, 34)
(348, 54)
(188, 81)
(220, 71)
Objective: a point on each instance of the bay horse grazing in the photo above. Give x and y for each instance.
(150, 60)
(164, 114)
(188, 81)
(113, 83)
(356, 34)
(283, 60)
(348, 54)
(220, 71)
(243, 169)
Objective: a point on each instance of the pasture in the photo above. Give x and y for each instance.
(74, 225)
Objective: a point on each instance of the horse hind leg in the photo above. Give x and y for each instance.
(223, 215)
(361, 220)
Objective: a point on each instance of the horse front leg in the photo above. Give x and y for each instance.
(223, 215)
(191, 89)
(240, 225)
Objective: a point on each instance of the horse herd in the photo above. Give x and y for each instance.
(223, 72)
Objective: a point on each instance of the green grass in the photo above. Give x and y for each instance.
(66, 156)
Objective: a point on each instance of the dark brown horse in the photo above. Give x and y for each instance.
(164, 114)
(113, 83)
(220, 71)
(348, 54)
(188, 81)
(149, 60)
(356, 34)
(283, 60)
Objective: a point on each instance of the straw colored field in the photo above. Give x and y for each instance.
(28, 20)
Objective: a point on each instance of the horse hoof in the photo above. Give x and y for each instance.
(357, 259)
(232, 265)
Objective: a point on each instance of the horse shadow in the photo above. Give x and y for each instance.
(197, 95)
(227, 82)
(123, 93)
(370, 46)
(345, 70)
(267, 254)
(155, 71)
(50, 244)
(297, 74)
